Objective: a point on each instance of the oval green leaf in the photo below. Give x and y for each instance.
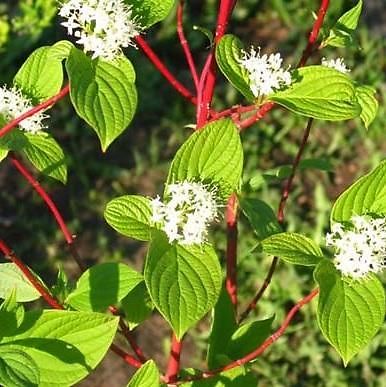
(228, 54)
(103, 93)
(46, 155)
(293, 248)
(184, 282)
(320, 92)
(66, 346)
(349, 313)
(213, 155)
(130, 215)
(366, 195)
(103, 285)
(11, 277)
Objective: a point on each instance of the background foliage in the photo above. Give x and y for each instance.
(137, 163)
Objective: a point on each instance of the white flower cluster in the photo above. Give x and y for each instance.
(265, 72)
(185, 216)
(13, 104)
(337, 64)
(361, 249)
(102, 26)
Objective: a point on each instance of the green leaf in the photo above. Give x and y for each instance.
(11, 315)
(223, 326)
(320, 92)
(212, 155)
(261, 217)
(46, 155)
(248, 337)
(137, 305)
(66, 346)
(349, 313)
(228, 54)
(293, 248)
(17, 369)
(130, 215)
(41, 75)
(366, 195)
(341, 34)
(103, 285)
(11, 277)
(146, 376)
(103, 93)
(183, 281)
(369, 104)
(150, 12)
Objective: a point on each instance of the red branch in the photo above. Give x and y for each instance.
(314, 32)
(208, 75)
(280, 217)
(9, 254)
(130, 360)
(51, 206)
(174, 360)
(128, 335)
(51, 101)
(267, 343)
(184, 43)
(264, 109)
(160, 66)
(231, 254)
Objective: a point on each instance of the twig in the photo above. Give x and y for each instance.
(160, 66)
(280, 217)
(130, 360)
(267, 343)
(208, 75)
(264, 109)
(10, 255)
(51, 101)
(184, 43)
(231, 253)
(314, 32)
(174, 360)
(51, 206)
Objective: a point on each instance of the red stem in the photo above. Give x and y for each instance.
(314, 32)
(9, 254)
(267, 343)
(130, 339)
(208, 75)
(264, 109)
(130, 360)
(231, 254)
(51, 206)
(160, 66)
(184, 43)
(174, 360)
(237, 109)
(280, 217)
(51, 101)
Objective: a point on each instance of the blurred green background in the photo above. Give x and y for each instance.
(138, 161)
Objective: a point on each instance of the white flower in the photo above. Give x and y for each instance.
(337, 64)
(189, 209)
(265, 72)
(13, 104)
(102, 27)
(360, 249)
